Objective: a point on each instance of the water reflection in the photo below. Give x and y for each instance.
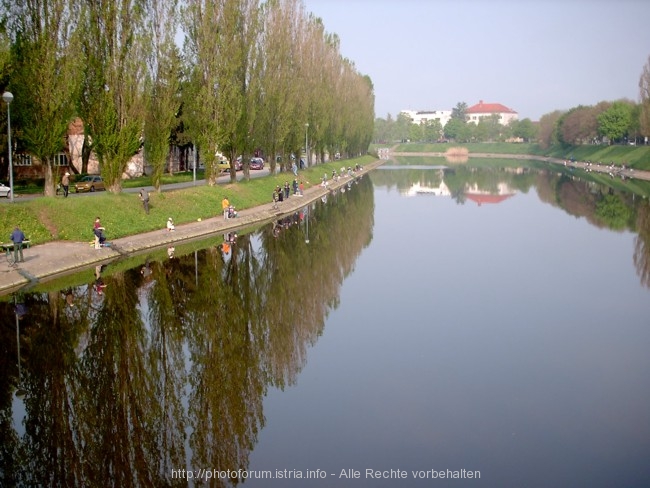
(618, 205)
(164, 364)
(139, 368)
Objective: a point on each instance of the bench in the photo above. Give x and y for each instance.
(9, 247)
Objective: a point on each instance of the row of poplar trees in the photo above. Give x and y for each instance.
(229, 75)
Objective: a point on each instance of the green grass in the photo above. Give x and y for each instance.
(48, 219)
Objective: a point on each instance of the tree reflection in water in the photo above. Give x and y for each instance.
(170, 360)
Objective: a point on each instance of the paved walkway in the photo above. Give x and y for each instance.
(53, 259)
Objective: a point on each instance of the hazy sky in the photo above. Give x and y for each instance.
(534, 56)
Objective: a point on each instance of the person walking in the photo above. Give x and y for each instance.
(65, 183)
(18, 237)
(144, 196)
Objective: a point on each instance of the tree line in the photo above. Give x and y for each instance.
(607, 122)
(224, 76)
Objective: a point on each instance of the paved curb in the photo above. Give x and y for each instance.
(53, 259)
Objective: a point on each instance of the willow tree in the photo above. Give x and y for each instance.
(112, 96)
(219, 46)
(45, 74)
(163, 98)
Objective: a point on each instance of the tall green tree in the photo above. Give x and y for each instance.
(459, 111)
(644, 97)
(614, 123)
(163, 88)
(457, 129)
(219, 47)
(524, 129)
(112, 101)
(45, 75)
(279, 107)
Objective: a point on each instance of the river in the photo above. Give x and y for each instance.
(427, 326)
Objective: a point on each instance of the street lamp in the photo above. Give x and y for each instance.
(306, 144)
(8, 98)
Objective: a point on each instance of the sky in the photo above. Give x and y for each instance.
(533, 56)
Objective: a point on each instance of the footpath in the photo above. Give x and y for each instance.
(53, 259)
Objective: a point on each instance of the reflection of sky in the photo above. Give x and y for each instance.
(508, 338)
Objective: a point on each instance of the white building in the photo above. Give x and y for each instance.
(424, 116)
(483, 110)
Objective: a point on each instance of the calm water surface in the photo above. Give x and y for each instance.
(417, 331)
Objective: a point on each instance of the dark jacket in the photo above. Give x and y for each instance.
(17, 236)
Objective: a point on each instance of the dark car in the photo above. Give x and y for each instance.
(257, 163)
(89, 183)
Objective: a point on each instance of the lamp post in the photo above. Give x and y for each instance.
(8, 98)
(306, 144)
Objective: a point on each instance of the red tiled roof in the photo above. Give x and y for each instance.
(481, 198)
(489, 108)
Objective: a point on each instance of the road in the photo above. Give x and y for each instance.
(223, 179)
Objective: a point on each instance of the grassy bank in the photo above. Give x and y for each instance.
(637, 157)
(49, 219)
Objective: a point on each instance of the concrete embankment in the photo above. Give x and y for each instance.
(54, 259)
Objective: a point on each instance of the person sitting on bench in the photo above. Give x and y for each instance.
(98, 230)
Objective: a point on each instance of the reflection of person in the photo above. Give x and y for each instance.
(20, 309)
(99, 282)
(65, 183)
(146, 270)
(17, 237)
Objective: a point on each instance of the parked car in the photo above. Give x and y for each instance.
(257, 163)
(223, 165)
(89, 183)
(5, 191)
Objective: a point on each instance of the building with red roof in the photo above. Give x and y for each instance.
(481, 110)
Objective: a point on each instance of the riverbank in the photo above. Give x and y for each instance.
(50, 260)
(612, 170)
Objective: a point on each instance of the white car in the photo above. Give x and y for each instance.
(5, 191)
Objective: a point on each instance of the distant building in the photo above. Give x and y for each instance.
(482, 110)
(424, 116)
(442, 190)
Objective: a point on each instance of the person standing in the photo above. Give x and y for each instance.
(225, 204)
(18, 237)
(144, 196)
(65, 183)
